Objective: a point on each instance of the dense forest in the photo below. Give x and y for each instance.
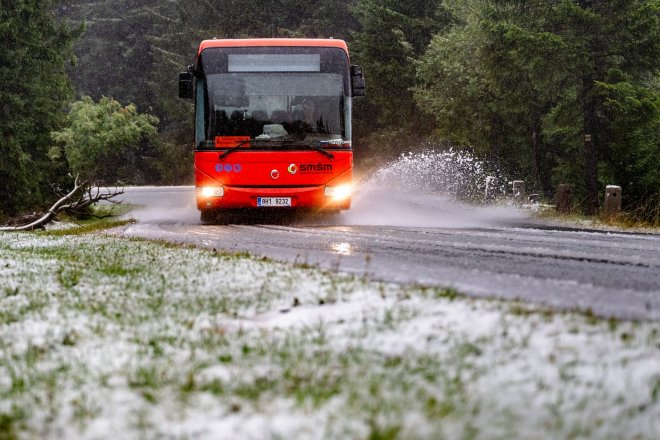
(557, 91)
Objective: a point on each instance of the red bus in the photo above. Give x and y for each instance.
(272, 124)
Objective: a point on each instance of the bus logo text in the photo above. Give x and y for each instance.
(322, 168)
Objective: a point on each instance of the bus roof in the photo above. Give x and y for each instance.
(265, 42)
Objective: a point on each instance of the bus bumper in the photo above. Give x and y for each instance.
(323, 198)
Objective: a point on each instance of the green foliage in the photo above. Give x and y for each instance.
(450, 88)
(133, 51)
(522, 82)
(632, 158)
(33, 90)
(392, 35)
(102, 139)
(526, 81)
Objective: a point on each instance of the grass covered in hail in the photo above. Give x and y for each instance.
(102, 337)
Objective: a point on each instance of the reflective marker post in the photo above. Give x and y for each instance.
(564, 199)
(491, 188)
(519, 191)
(612, 206)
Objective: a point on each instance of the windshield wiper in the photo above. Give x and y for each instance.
(235, 147)
(326, 153)
(278, 143)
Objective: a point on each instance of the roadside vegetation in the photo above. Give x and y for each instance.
(97, 218)
(546, 210)
(625, 221)
(105, 337)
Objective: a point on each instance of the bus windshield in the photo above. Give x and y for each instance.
(277, 93)
(271, 105)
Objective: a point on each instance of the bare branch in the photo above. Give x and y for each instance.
(83, 194)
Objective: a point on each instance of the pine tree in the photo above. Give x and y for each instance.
(557, 86)
(392, 36)
(33, 92)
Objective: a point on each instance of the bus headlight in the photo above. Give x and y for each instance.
(211, 191)
(340, 192)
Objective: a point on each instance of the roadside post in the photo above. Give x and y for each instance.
(491, 188)
(612, 206)
(564, 199)
(519, 192)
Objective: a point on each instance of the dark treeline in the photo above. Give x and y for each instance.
(34, 89)
(558, 91)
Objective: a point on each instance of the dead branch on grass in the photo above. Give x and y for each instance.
(83, 195)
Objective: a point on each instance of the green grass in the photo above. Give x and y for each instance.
(145, 335)
(87, 227)
(100, 218)
(8, 426)
(624, 221)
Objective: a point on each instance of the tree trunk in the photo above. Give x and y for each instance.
(591, 142)
(496, 145)
(590, 176)
(536, 154)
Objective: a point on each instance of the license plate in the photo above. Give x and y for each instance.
(273, 202)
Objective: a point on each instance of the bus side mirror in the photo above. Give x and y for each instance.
(357, 81)
(186, 85)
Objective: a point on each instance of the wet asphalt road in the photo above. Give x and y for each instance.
(503, 256)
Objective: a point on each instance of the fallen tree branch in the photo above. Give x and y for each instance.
(79, 198)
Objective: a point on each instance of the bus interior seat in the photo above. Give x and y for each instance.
(220, 121)
(238, 122)
(298, 115)
(279, 116)
(259, 115)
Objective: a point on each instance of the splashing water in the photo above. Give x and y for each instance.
(451, 173)
(430, 188)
